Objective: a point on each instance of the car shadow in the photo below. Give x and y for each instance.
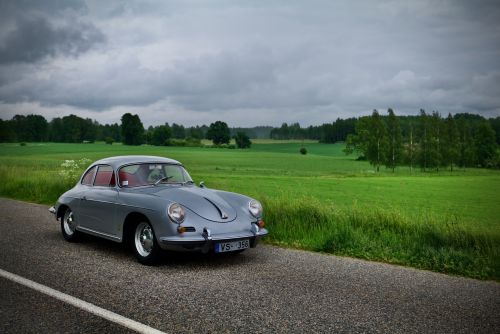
(124, 252)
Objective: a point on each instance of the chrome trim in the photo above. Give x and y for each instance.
(52, 210)
(222, 214)
(99, 234)
(201, 238)
(207, 234)
(255, 228)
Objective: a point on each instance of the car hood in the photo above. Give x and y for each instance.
(204, 202)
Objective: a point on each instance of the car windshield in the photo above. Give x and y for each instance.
(152, 173)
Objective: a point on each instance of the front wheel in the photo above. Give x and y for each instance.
(68, 226)
(145, 246)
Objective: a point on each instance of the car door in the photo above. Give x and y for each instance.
(99, 203)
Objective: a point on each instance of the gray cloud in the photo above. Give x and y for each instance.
(34, 30)
(35, 38)
(277, 61)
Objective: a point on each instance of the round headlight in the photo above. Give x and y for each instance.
(176, 213)
(255, 208)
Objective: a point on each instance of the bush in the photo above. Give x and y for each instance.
(189, 142)
(242, 140)
(108, 140)
(303, 151)
(22, 144)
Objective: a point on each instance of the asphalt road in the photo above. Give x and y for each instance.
(267, 289)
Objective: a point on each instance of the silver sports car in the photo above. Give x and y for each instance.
(153, 203)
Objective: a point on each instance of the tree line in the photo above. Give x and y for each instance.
(427, 141)
(325, 133)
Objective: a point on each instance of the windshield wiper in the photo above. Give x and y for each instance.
(166, 178)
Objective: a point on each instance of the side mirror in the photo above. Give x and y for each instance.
(202, 184)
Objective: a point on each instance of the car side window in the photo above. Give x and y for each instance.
(104, 177)
(89, 176)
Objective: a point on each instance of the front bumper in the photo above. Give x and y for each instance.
(52, 210)
(205, 242)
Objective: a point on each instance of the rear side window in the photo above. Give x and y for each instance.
(89, 176)
(105, 177)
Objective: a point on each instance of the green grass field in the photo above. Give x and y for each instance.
(322, 201)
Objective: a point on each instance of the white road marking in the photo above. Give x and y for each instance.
(91, 308)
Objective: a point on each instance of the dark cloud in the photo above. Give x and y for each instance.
(35, 38)
(37, 29)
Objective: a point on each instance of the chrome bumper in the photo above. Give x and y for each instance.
(52, 210)
(206, 241)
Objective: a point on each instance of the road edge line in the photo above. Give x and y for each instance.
(81, 304)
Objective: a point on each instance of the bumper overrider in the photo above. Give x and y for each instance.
(206, 241)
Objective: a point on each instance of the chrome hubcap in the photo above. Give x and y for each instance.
(69, 223)
(144, 239)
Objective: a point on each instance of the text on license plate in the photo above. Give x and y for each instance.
(232, 246)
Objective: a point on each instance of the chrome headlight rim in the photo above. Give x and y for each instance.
(176, 217)
(255, 208)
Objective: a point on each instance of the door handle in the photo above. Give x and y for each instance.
(84, 198)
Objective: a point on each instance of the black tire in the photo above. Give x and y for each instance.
(68, 227)
(146, 249)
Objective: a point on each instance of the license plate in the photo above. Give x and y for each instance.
(232, 246)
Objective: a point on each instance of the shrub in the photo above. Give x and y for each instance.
(22, 144)
(303, 151)
(242, 140)
(108, 140)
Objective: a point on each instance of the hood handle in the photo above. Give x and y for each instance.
(222, 214)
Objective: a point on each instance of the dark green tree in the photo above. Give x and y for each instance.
(394, 141)
(410, 147)
(485, 145)
(242, 140)
(31, 128)
(434, 158)
(132, 129)
(424, 141)
(160, 135)
(377, 140)
(495, 125)
(358, 142)
(178, 131)
(195, 132)
(449, 147)
(465, 143)
(219, 133)
(7, 133)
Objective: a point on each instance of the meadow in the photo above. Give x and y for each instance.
(323, 201)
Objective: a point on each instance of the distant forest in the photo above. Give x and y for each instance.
(74, 129)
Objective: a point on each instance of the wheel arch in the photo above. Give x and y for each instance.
(61, 210)
(129, 224)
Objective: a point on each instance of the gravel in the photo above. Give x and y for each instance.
(266, 289)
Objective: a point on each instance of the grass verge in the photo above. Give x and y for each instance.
(439, 244)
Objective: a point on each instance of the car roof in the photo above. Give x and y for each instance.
(118, 161)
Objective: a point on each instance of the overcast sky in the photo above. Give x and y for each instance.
(248, 62)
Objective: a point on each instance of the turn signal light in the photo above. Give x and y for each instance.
(181, 229)
(261, 224)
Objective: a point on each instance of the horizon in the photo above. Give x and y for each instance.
(146, 126)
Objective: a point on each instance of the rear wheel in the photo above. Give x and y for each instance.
(68, 226)
(145, 246)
